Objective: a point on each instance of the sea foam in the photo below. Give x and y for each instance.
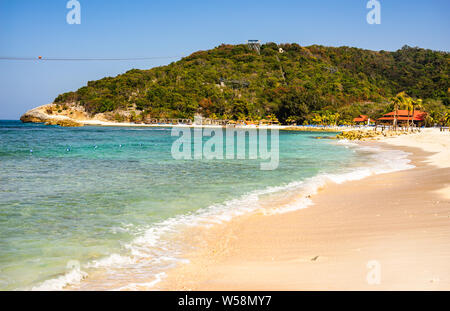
(156, 249)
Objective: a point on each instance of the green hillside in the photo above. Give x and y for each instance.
(234, 82)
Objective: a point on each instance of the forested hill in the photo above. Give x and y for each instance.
(235, 82)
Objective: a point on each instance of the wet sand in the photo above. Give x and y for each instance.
(385, 232)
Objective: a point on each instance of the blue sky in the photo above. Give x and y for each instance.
(133, 28)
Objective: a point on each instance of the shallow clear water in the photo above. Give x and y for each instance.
(85, 193)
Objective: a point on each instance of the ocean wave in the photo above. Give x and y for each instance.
(75, 276)
(142, 286)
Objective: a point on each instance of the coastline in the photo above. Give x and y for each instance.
(400, 220)
(266, 241)
(76, 116)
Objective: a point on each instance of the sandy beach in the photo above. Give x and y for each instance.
(385, 232)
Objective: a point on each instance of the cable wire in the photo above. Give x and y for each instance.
(40, 58)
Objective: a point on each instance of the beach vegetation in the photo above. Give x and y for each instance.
(303, 85)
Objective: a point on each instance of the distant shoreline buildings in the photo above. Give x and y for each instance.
(402, 116)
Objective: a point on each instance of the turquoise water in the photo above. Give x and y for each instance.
(85, 193)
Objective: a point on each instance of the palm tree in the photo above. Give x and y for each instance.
(272, 118)
(336, 118)
(409, 105)
(403, 100)
(446, 118)
(416, 104)
(428, 120)
(398, 101)
(317, 119)
(326, 118)
(291, 120)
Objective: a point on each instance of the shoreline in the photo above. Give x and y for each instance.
(270, 246)
(77, 117)
(400, 220)
(168, 125)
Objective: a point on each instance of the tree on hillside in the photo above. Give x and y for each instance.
(401, 100)
(416, 105)
(233, 81)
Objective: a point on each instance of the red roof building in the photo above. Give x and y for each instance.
(363, 119)
(404, 116)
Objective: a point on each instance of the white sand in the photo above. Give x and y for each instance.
(400, 221)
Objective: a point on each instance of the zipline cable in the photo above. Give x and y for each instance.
(40, 58)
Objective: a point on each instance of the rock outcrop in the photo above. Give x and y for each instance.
(368, 135)
(53, 114)
(64, 123)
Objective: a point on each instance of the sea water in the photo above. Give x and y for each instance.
(101, 207)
